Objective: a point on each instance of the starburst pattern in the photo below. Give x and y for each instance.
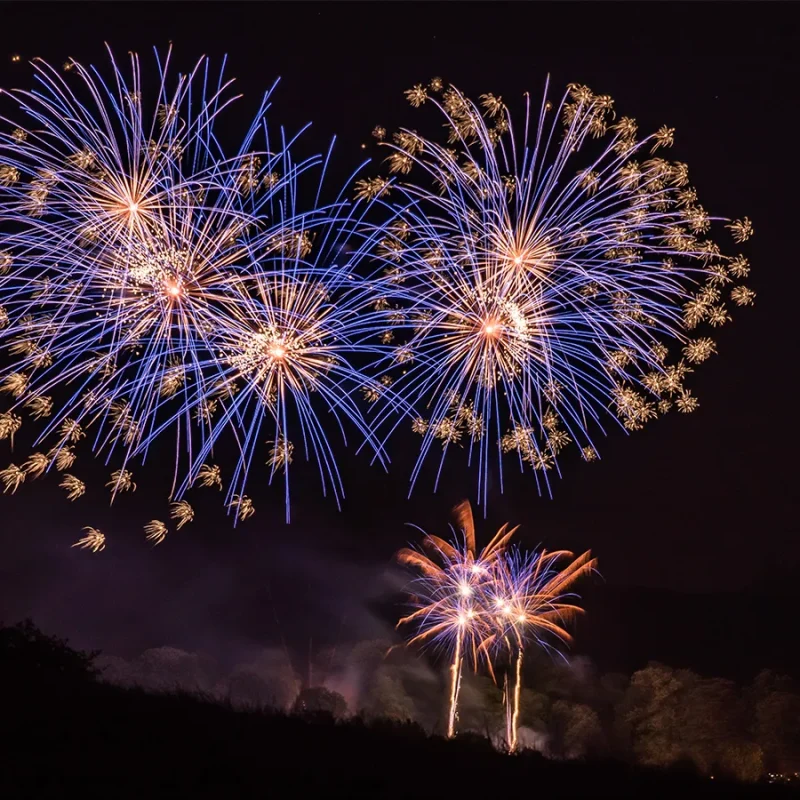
(741, 230)
(531, 285)
(40, 407)
(9, 425)
(698, 350)
(370, 188)
(36, 465)
(210, 475)
(121, 481)
(243, 506)
(174, 286)
(686, 402)
(12, 478)
(743, 296)
(62, 457)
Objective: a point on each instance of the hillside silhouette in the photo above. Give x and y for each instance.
(71, 732)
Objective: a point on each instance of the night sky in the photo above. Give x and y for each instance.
(697, 503)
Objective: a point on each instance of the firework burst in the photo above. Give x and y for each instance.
(450, 614)
(94, 540)
(535, 276)
(288, 355)
(489, 606)
(152, 282)
(530, 604)
(127, 221)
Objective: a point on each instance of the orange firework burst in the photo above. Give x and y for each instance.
(489, 605)
(448, 595)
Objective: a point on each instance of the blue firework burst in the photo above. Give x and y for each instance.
(542, 273)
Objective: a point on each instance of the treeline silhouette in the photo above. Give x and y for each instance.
(69, 730)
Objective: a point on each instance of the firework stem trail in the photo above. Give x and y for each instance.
(455, 686)
(517, 693)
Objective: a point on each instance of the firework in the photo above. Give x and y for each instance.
(182, 512)
(450, 613)
(490, 605)
(36, 465)
(155, 531)
(127, 219)
(94, 540)
(288, 355)
(243, 507)
(529, 603)
(535, 277)
(169, 284)
(121, 481)
(74, 487)
(12, 477)
(209, 475)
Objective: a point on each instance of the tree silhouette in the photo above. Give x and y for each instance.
(30, 657)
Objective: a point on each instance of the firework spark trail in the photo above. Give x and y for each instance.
(512, 741)
(536, 299)
(455, 683)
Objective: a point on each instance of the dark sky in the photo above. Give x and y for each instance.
(701, 502)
